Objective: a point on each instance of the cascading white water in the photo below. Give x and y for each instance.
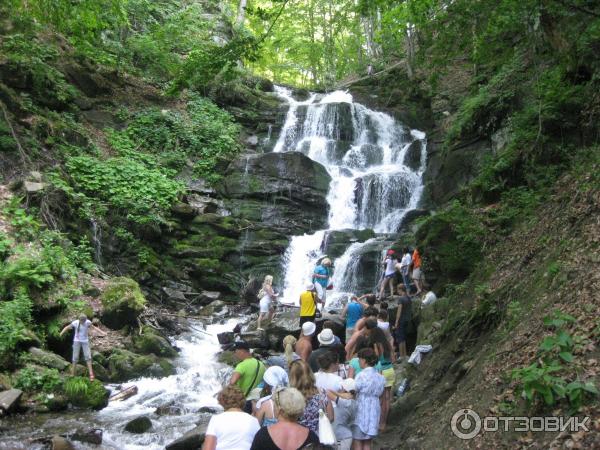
(199, 376)
(364, 152)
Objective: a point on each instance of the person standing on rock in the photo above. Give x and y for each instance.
(417, 275)
(321, 276)
(248, 374)
(308, 304)
(403, 317)
(389, 264)
(81, 342)
(404, 268)
(304, 345)
(353, 312)
(267, 296)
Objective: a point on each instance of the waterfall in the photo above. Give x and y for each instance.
(376, 165)
(97, 242)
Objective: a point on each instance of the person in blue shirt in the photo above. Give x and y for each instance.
(321, 276)
(353, 312)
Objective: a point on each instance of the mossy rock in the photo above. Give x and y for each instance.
(124, 365)
(46, 358)
(228, 357)
(100, 372)
(150, 342)
(84, 393)
(123, 302)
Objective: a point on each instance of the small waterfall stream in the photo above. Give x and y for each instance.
(199, 376)
(376, 165)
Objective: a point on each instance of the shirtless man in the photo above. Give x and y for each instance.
(304, 345)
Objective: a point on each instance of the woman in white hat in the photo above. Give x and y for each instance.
(273, 378)
(345, 410)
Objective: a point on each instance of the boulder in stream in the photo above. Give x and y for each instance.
(139, 425)
(192, 440)
(89, 436)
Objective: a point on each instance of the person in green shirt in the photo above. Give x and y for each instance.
(248, 374)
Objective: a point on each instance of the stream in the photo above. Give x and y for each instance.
(199, 376)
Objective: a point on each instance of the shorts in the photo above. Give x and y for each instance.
(349, 333)
(85, 346)
(359, 435)
(391, 275)
(416, 273)
(400, 333)
(265, 305)
(321, 292)
(307, 319)
(344, 444)
(390, 376)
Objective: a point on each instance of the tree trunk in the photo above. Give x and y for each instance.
(241, 15)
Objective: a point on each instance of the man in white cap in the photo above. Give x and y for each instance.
(308, 304)
(304, 344)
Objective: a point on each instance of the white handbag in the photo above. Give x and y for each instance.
(326, 434)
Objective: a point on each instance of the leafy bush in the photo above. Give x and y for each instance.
(15, 323)
(553, 377)
(85, 393)
(29, 380)
(143, 195)
(452, 239)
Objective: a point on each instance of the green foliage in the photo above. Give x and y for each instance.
(85, 393)
(553, 377)
(15, 322)
(453, 239)
(203, 134)
(29, 380)
(143, 195)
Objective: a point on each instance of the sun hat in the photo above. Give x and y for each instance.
(275, 376)
(310, 287)
(308, 328)
(326, 262)
(348, 384)
(326, 337)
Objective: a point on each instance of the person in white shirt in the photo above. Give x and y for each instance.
(327, 378)
(389, 264)
(233, 429)
(81, 342)
(404, 268)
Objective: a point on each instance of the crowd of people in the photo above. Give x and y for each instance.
(281, 403)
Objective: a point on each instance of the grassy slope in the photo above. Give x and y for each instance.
(495, 324)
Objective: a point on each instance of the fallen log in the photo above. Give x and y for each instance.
(9, 399)
(124, 394)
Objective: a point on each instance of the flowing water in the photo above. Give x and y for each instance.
(199, 376)
(376, 178)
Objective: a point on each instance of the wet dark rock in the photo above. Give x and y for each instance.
(151, 342)
(139, 425)
(192, 440)
(300, 94)
(89, 436)
(208, 410)
(89, 81)
(412, 157)
(255, 339)
(170, 409)
(286, 192)
(337, 241)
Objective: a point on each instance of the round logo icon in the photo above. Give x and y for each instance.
(465, 424)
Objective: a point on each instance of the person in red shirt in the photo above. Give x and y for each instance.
(417, 275)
